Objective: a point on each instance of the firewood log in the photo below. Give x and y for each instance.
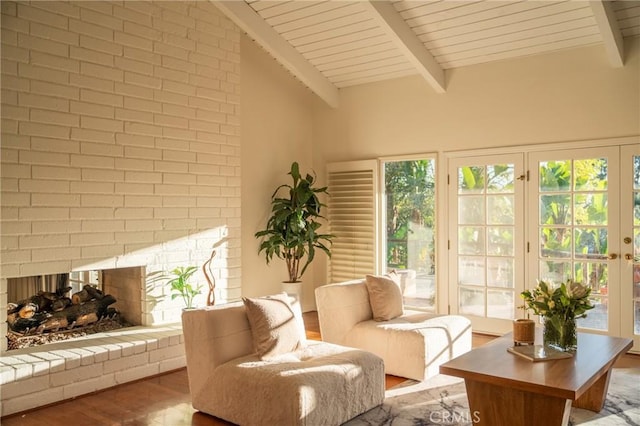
(60, 304)
(87, 293)
(48, 295)
(43, 300)
(93, 292)
(86, 319)
(54, 324)
(11, 318)
(99, 307)
(40, 300)
(73, 314)
(80, 297)
(21, 325)
(28, 310)
(12, 308)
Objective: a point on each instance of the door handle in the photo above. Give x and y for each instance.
(628, 256)
(612, 256)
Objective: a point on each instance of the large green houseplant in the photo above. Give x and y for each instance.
(292, 229)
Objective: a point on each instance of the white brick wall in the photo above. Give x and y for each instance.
(120, 147)
(120, 140)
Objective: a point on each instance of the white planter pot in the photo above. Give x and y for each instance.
(294, 290)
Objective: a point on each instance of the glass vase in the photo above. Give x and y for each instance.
(560, 333)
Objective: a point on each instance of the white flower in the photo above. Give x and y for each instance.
(576, 290)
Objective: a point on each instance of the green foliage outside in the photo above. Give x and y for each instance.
(410, 204)
(573, 217)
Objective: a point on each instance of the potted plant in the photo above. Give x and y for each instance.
(181, 287)
(292, 229)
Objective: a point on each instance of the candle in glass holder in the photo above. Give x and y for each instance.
(524, 332)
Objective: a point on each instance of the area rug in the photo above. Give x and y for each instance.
(442, 400)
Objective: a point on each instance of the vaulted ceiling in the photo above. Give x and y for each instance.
(333, 44)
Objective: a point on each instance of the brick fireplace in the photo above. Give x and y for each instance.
(40, 375)
(125, 286)
(120, 149)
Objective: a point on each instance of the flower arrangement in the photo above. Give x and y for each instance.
(560, 306)
(570, 299)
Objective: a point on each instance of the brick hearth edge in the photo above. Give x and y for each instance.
(32, 377)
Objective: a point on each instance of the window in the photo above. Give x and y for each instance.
(409, 220)
(379, 230)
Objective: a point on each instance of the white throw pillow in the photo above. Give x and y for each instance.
(385, 296)
(274, 327)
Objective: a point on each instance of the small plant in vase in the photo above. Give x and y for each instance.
(181, 287)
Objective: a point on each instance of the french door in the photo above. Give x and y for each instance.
(630, 248)
(486, 239)
(575, 231)
(569, 214)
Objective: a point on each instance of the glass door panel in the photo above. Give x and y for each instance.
(486, 196)
(575, 195)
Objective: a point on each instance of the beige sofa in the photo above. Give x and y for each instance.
(412, 345)
(318, 384)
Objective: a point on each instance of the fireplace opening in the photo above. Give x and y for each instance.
(50, 308)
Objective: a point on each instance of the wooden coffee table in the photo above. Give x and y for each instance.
(505, 389)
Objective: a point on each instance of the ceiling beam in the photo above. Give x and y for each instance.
(405, 39)
(611, 35)
(249, 21)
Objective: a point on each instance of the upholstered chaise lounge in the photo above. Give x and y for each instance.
(318, 383)
(412, 345)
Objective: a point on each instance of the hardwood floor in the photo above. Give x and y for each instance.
(164, 400)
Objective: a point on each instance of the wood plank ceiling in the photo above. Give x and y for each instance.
(356, 42)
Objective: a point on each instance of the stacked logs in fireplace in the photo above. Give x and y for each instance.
(52, 312)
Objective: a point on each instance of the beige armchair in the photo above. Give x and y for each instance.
(412, 345)
(317, 384)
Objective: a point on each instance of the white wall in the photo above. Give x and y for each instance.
(276, 130)
(564, 96)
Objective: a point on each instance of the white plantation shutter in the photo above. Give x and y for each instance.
(353, 208)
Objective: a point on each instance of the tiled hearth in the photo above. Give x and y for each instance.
(37, 376)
